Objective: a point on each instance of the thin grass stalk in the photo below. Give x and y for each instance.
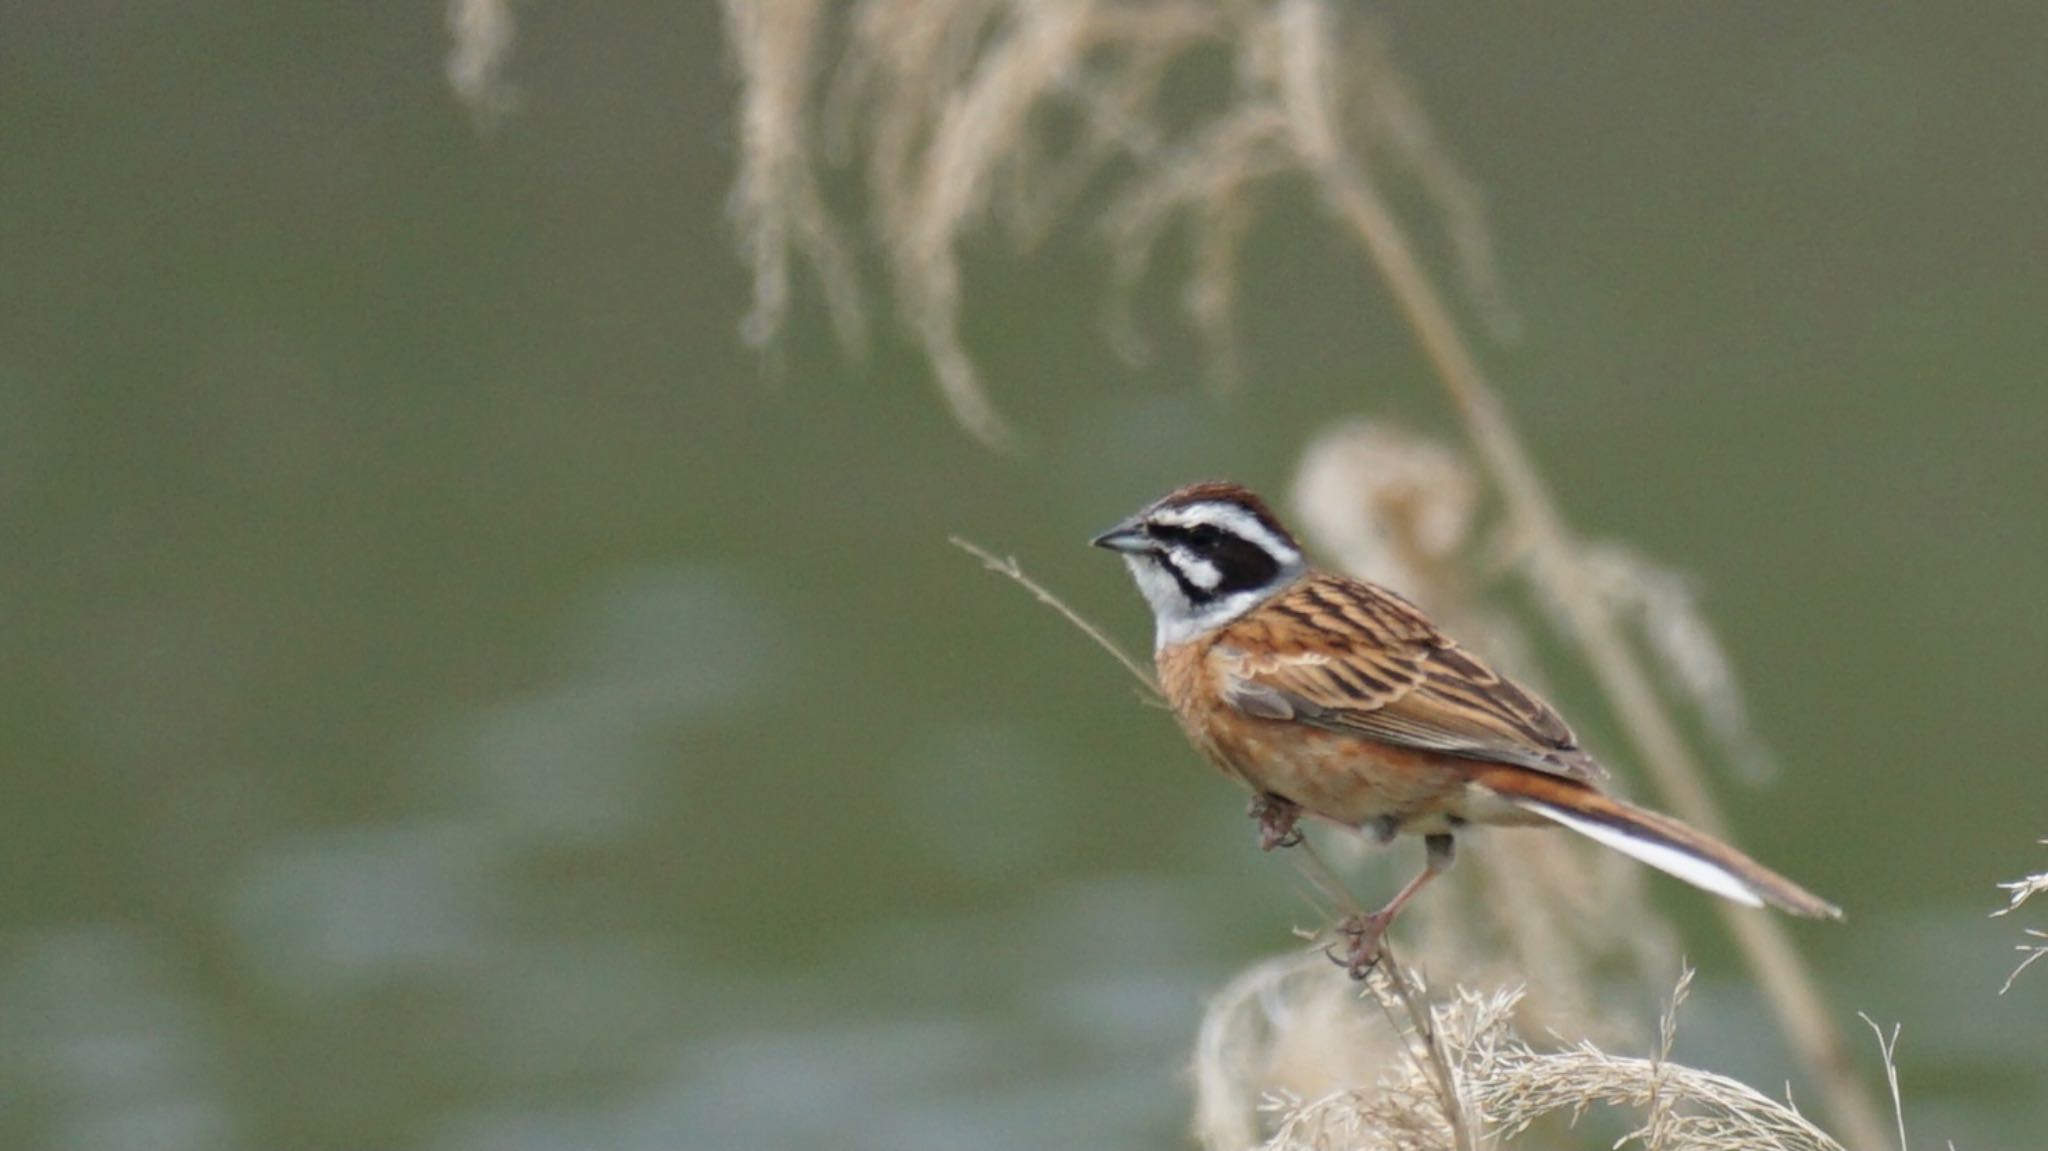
(1434, 1061)
(1008, 567)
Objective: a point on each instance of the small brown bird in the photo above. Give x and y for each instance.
(1332, 696)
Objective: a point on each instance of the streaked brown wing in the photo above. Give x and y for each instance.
(1345, 655)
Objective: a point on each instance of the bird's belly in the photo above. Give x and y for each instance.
(1348, 779)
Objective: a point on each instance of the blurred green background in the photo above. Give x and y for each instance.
(456, 699)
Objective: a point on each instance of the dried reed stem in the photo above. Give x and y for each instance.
(1554, 554)
(1393, 981)
(1434, 1060)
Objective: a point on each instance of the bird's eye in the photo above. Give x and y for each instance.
(1205, 535)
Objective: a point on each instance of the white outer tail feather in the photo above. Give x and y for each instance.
(1664, 856)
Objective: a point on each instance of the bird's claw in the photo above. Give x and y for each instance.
(1277, 819)
(1366, 933)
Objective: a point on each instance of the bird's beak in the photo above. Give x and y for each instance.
(1128, 536)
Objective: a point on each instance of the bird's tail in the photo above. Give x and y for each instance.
(1658, 840)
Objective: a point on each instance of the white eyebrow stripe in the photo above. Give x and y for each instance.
(1236, 520)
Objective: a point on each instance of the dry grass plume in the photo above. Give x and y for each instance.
(1292, 1058)
(2018, 892)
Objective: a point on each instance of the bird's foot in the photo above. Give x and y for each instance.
(1277, 818)
(1361, 938)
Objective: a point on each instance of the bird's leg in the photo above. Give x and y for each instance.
(1276, 816)
(1366, 931)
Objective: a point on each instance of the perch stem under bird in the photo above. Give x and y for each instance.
(1334, 697)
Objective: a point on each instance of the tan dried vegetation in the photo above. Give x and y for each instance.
(2018, 892)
